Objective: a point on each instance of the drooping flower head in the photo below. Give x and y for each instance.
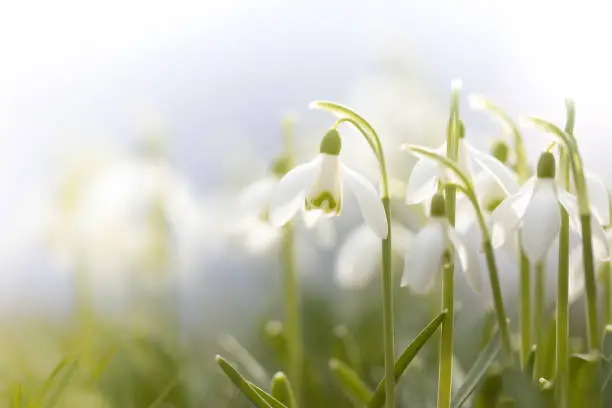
(425, 256)
(318, 186)
(534, 211)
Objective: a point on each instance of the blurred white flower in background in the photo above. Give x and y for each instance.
(359, 257)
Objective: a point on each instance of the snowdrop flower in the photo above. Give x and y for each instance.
(426, 174)
(254, 205)
(318, 186)
(359, 257)
(489, 190)
(534, 211)
(425, 257)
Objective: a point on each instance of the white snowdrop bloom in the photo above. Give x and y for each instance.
(598, 196)
(426, 174)
(358, 260)
(425, 256)
(253, 224)
(318, 186)
(534, 211)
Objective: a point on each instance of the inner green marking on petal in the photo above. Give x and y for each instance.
(491, 205)
(324, 201)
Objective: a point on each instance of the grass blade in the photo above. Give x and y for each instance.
(351, 383)
(281, 390)
(406, 358)
(477, 372)
(242, 384)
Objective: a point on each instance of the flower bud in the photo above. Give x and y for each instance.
(500, 151)
(546, 166)
(438, 206)
(280, 166)
(331, 143)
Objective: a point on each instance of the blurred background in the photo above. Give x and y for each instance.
(129, 129)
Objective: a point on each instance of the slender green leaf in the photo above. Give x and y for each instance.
(530, 364)
(282, 391)
(164, 394)
(17, 397)
(242, 384)
(346, 349)
(350, 381)
(275, 333)
(477, 372)
(271, 400)
(584, 378)
(406, 358)
(63, 383)
(244, 359)
(47, 385)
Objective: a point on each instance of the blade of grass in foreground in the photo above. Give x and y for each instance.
(477, 372)
(351, 383)
(242, 384)
(406, 358)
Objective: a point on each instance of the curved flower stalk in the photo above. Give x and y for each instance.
(426, 175)
(424, 258)
(318, 186)
(371, 137)
(358, 259)
(479, 102)
(570, 145)
(534, 212)
(466, 187)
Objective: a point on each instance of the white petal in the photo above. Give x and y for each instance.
(570, 203)
(325, 232)
(502, 174)
(468, 260)
(311, 217)
(465, 215)
(423, 180)
(541, 222)
(423, 259)
(288, 196)
(256, 197)
(402, 238)
(369, 202)
(358, 258)
(601, 245)
(506, 217)
(598, 195)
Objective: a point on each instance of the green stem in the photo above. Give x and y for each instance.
(292, 311)
(448, 303)
(562, 335)
(387, 292)
(607, 282)
(525, 307)
(538, 318)
(589, 281)
(502, 320)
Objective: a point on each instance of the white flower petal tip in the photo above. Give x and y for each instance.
(288, 195)
(423, 260)
(369, 202)
(476, 102)
(358, 259)
(456, 84)
(600, 200)
(423, 180)
(502, 174)
(468, 260)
